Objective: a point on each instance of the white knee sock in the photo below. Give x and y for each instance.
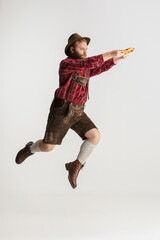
(35, 147)
(85, 150)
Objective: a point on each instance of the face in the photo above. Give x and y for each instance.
(79, 50)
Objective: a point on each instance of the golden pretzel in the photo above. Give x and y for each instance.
(128, 50)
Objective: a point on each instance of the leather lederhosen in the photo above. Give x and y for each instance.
(64, 115)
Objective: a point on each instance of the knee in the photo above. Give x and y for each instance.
(97, 137)
(46, 147)
(94, 136)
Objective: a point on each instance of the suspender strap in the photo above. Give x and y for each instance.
(83, 81)
(71, 86)
(87, 83)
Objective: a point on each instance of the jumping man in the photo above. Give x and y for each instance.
(67, 107)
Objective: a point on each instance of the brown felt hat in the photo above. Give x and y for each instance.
(72, 39)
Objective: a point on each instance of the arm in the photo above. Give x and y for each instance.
(117, 55)
(80, 64)
(104, 67)
(110, 59)
(91, 63)
(107, 56)
(117, 59)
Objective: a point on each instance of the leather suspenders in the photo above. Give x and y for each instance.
(83, 81)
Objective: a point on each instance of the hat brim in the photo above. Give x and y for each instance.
(72, 42)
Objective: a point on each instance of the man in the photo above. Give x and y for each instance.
(67, 108)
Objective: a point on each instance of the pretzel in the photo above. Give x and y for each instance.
(128, 50)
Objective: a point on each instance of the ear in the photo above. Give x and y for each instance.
(71, 49)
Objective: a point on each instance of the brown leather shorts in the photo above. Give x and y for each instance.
(64, 116)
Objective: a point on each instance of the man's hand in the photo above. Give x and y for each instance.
(112, 54)
(117, 53)
(122, 56)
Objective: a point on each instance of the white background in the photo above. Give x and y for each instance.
(124, 104)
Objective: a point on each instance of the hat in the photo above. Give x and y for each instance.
(72, 39)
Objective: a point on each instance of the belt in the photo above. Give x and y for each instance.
(62, 101)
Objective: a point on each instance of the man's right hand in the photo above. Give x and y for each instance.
(120, 56)
(113, 54)
(117, 53)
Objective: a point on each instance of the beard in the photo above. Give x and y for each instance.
(78, 56)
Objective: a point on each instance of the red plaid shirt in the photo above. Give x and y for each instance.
(87, 67)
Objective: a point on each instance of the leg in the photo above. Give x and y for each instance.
(46, 147)
(39, 146)
(55, 131)
(86, 129)
(32, 148)
(93, 136)
(87, 147)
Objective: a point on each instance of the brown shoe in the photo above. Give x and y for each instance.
(73, 169)
(24, 153)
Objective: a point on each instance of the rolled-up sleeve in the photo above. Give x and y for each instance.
(105, 66)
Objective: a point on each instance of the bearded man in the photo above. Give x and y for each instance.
(67, 107)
